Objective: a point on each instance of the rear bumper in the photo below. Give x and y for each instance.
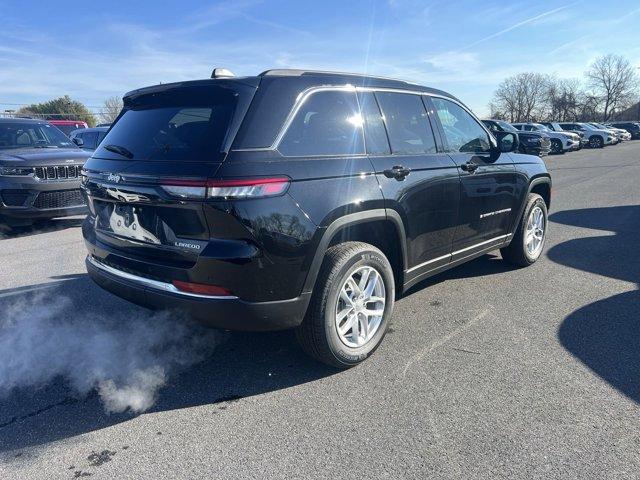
(219, 312)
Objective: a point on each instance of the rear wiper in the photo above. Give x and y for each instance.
(119, 150)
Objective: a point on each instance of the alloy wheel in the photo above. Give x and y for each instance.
(534, 237)
(360, 307)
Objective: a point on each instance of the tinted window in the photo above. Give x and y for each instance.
(327, 123)
(374, 132)
(183, 125)
(90, 139)
(101, 135)
(462, 131)
(407, 123)
(20, 135)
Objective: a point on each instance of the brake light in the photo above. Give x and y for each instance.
(259, 187)
(202, 289)
(236, 188)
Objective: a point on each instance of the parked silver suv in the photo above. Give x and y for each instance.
(561, 142)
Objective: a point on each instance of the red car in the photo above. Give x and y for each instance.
(68, 126)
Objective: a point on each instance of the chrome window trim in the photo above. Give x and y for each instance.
(305, 94)
(154, 284)
(300, 101)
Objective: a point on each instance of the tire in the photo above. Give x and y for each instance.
(517, 252)
(595, 141)
(556, 146)
(318, 334)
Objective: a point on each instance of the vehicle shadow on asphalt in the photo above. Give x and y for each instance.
(242, 365)
(43, 226)
(605, 335)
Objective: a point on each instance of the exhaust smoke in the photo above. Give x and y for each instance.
(127, 357)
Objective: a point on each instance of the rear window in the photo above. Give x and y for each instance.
(179, 125)
(327, 123)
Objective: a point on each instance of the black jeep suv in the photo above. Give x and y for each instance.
(303, 200)
(39, 173)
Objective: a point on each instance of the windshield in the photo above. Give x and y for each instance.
(506, 127)
(541, 127)
(182, 125)
(32, 135)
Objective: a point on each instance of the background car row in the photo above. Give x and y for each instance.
(561, 137)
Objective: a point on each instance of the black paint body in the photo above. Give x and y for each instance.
(268, 251)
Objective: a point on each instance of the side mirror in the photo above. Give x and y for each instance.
(78, 141)
(507, 142)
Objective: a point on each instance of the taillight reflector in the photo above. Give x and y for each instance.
(202, 289)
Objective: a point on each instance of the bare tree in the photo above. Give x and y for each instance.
(563, 99)
(111, 109)
(613, 81)
(521, 98)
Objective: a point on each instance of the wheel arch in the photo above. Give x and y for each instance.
(381, 228)
(540, 184)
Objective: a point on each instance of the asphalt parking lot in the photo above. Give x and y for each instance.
(487, 371)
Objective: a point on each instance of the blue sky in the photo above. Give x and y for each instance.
(94, 50)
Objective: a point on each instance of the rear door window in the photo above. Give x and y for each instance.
(463, 133)
(90, 139)
(407, 123)
(327, 123)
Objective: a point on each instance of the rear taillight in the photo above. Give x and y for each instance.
(226, 189)
(202, 289)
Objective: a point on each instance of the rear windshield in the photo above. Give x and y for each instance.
(179, 125)
(32, 135)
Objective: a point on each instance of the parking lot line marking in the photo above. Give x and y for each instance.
(425, 351)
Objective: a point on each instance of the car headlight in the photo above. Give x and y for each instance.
(17, 171)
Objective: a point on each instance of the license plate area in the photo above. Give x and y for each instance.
(129, 221)
(166, 225)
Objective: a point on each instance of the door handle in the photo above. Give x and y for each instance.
(469, 167)
(397, 171)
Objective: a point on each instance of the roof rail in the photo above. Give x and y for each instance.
(292, 72)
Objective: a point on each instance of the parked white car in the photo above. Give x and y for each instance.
(555, 126)
(622, 134)
(597, 137)
(560, 141)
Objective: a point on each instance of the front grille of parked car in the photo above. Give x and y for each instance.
(59, 199)
(14, 198)
(58, 172)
